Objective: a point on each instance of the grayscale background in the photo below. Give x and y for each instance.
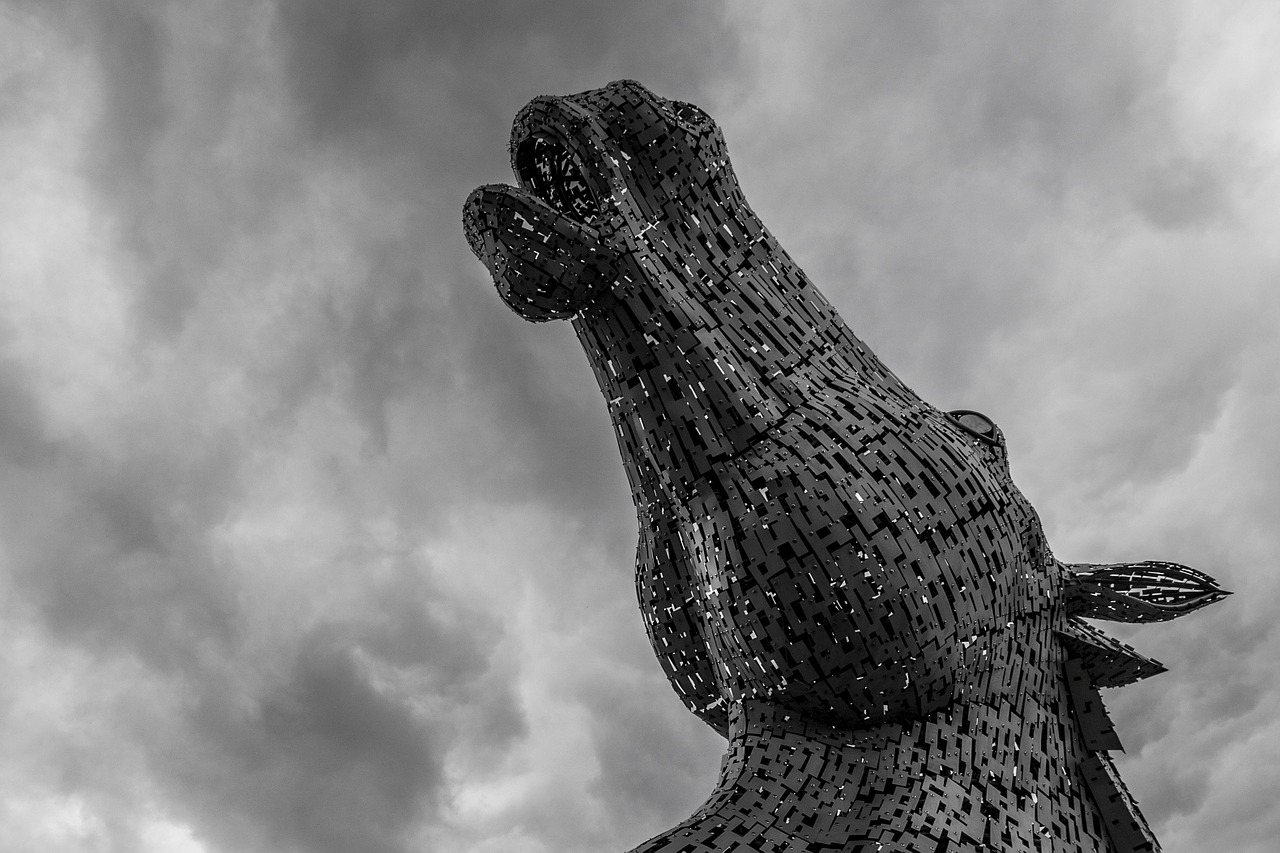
(308, 544)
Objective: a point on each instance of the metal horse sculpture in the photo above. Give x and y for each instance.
(835, 575)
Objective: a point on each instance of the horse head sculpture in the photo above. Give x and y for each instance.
(840, 578)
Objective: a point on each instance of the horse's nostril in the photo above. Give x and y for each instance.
(689, 114)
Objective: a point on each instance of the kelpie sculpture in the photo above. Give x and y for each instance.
(835, 575)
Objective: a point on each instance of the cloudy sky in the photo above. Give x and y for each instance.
(308, 544)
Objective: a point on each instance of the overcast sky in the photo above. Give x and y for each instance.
(308, 544)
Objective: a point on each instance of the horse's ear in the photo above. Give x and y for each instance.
(1108, 662)
(1137, 592)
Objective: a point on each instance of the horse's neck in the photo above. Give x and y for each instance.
(977, 776)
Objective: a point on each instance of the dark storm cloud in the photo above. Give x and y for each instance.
(345, 748)
(561, 433)
(349, 61)
(22, 441)
(110, 551)
(652, 753)
(163, 152)
(327, 762)
(132, 48)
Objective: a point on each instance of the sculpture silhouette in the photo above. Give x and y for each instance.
(835, 575)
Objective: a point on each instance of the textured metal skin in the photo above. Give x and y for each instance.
(837, 576)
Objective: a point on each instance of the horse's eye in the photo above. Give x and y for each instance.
(977, 425)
